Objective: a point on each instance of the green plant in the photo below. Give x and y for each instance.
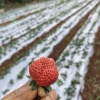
(78, 64)
(59, 82)
(75, 82)
(85, 53)
(67, 53)
(64, 76)
(78, 75)
(5, 91)
(63, 58)
(70, 62)
(11, 81)
(20, 76)
(70, 91)
(78, 42)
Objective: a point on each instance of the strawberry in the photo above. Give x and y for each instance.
(44, 71)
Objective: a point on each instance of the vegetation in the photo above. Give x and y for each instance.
(5, 91)
(21, 74)
(13, 3)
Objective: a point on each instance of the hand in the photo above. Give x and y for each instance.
(25, 93)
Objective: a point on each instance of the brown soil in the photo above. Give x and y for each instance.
(92, 80)
(5, 65)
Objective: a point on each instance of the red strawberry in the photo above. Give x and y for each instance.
(44, 71)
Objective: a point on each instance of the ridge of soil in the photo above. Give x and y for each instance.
(92, 80)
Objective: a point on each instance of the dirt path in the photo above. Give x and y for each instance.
(92, 80)
(5, 65)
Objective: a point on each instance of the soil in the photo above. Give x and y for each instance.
(92, 80)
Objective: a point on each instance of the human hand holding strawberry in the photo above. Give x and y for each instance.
(25, 93)
(43, 73)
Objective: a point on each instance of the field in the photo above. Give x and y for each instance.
(67, 31)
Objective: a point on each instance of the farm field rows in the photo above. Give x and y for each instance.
(16, 44)
(23, 26)
(23, 11)
(64, 30)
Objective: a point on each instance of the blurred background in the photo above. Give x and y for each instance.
(66, 30)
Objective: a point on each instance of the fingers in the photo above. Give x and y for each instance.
(53, 94)
(14, 93)
(50, 96)
(25, 93)
(41, 92)
(28, 94)
(47, 96)
(22, 93)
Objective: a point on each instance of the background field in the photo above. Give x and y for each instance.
(67, 31)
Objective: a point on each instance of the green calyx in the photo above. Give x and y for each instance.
(35, 86)
(47, 88)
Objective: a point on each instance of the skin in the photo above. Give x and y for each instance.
(25, 93)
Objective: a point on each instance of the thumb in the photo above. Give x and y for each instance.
(28, 94)
(52, 95)
(41, 92)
